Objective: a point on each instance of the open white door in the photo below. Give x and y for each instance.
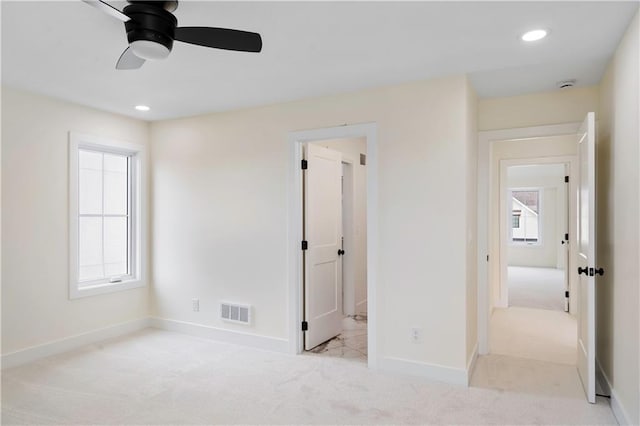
(323, 233)
(587, 269)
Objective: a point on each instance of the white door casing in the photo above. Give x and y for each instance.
(586, 241)
(486, 173)
(323, 233)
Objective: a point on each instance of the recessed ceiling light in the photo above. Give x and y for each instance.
(534, 35)
(142, 108)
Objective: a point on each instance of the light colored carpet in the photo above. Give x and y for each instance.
(159, 377)
(534, 334)
(539, 288)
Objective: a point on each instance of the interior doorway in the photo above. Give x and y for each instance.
(536, 216)
(334, 210)
(532, 319)
(572, 143)
(299, 325)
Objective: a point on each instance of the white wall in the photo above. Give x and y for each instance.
(220, 213)
(545, 254)
(618, 227)
(352, 148)
(35, 237)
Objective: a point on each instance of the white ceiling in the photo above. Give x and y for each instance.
(69, 49)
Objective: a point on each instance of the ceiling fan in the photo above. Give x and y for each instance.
(152, 29)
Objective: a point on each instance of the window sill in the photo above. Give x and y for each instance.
(77, 293)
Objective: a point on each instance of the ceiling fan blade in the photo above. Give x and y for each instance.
(129, 61)
(220, 38)
(108, 9)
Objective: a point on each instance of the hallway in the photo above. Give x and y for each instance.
(538, 288)
(537, 334)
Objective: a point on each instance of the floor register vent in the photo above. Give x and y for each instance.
(235, 313)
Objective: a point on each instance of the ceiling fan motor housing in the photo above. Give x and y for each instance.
(150, 23)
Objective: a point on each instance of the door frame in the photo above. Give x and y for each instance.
(485, 174)
(348, 234)
(571, 163)
(295, 271)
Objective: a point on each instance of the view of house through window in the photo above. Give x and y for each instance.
(103, 216)
(525, 216)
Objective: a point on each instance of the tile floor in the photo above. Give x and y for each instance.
(351, 343)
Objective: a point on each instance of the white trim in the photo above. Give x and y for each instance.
(471, 365)
(618, 409)
(485, 141)
(439, 373)
(35, 353)
(138, 221)
(295, 141)
(272, 344)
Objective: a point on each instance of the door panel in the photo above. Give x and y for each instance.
(587, 256)
(323, 232)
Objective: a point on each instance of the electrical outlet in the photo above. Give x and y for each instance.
(416, 334)
(196, 305)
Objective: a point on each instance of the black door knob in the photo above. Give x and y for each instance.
(584, 270)
(340, 252)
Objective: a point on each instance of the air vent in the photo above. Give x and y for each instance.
(235, 313)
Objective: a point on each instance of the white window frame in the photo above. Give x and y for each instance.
(539, 242)
(137, 172)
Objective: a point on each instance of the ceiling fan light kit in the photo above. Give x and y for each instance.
(152, 28)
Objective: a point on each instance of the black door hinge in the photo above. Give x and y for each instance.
(487, 258)
(304, 164)
(566, 294)
(566, 237)
(305, 326)
(305, 245)
(566, 179)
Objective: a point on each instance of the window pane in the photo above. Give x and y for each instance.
(90, 248)
(90, 185)
(525, 216)
(115, 246)
(115, 184)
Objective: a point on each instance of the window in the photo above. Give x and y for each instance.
(525, 216)
(105, 183)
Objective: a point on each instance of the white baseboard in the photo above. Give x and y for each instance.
(34, 353)
(440, 373)
(619, 412)
(222, 335)
(471, 365)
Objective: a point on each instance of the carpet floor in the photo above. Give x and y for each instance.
(538, 288)
(160, 377)
(536, 334)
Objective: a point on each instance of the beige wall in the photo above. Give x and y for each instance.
(618, 225)
(539, 109)
(220, 213)
(35, 304)
(356, 269)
